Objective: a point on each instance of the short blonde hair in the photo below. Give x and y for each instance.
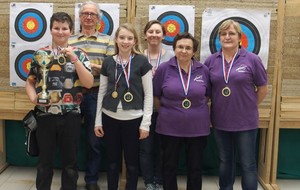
(227, 23)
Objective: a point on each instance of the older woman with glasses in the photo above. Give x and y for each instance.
(181, 89)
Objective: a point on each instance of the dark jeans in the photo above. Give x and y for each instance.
(232, 144)
(194, 148)
(122, 136)
(151, 155)
(88, 110)
(63, 132)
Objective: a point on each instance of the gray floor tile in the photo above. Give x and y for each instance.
(23, 178)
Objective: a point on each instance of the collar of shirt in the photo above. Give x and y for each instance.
(195, 64)
(81, 35)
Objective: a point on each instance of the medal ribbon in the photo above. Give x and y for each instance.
(157, 61)
(185, 84)
(126, 72)
(117, 78)
(226, 73)
(56, 53)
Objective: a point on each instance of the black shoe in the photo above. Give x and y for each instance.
(92, 186)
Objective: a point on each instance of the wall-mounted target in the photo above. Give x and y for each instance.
(22, 63)
(30, 25)
(106, 25)
(174, 23)
(250, 36)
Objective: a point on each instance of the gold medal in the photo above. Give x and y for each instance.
(114, 94)
(61, 59)
(226, 91)
(128, 97)
(186, 103)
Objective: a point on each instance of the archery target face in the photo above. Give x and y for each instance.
(176, 19)
(30, 25)
(174, 23)
(106, 24)
(255, 31)
(29, 30)
(109, 19)
(22, 64)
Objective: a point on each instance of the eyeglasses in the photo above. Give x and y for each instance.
(187, 48)
(86, 14)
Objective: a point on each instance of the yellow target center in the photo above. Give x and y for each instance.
(171, 28)
(30, 25)
(98, 26)
(28, 66)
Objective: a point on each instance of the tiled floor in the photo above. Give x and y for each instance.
(23, 178)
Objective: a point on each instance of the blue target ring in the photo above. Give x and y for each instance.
(249, 31)
(22, 63)
(106, 24)
(174, 23)
(30, 25)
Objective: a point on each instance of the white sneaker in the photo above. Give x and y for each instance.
(150, 186)
(159, 187)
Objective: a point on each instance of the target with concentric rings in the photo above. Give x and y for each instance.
(30, 25)
(106, 25)
(22, 63)
(174, 23)
(250, 36)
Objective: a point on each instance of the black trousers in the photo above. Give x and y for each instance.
(119, 136)
(194, 147)
(62, 132)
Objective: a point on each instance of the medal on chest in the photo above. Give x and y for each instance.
(186, 103)
(226, 91)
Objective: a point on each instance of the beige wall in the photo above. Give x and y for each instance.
(140, 19)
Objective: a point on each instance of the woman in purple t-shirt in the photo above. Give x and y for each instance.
(180, 88)
(150, 154)
(239, 84)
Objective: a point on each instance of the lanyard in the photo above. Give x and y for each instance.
(227, 73)
(157, 61)
(185, 84)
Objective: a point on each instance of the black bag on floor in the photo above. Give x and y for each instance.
(30, 125)
(31, 144)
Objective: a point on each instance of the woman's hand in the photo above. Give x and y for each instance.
(143, 134)
(99, 131)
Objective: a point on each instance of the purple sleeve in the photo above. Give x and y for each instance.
(208, 88)
(158, 81)
(259, 73)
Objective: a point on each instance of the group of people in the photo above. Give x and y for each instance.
(144, 104)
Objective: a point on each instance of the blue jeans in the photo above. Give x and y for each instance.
(151, 155)
(232, 144)
(88, 110)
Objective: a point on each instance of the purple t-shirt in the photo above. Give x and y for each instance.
(173, 119)
(238, 111)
